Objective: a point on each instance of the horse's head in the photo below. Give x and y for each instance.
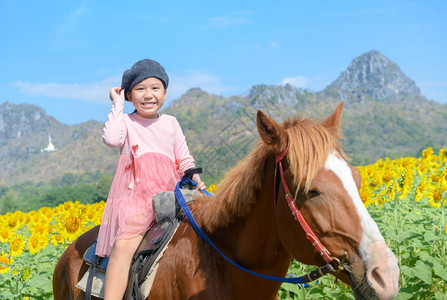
(326, 191)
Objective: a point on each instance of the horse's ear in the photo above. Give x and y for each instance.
(270, 132)
(332, 123)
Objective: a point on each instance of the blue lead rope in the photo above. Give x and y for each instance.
(181, 200)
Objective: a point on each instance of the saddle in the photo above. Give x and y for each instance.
(144, 263)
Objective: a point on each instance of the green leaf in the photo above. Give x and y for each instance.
(423, 271)
(404, 296)
(290, 287)
(440, 272)
(430, 236)
(439, 295)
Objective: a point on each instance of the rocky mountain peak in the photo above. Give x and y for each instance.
(23, 121)
(377, 76)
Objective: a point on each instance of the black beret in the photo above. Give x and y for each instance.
(141, 70)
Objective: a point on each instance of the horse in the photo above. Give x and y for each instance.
(249, 220)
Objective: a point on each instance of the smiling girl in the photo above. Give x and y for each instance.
(154, 156)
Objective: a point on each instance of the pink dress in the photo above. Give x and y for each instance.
(153, 157)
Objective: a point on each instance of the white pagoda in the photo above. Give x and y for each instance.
(50, 147)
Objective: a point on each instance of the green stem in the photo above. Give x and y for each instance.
(396, 228)
(443, 258)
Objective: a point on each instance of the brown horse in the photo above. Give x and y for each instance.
(252, 228)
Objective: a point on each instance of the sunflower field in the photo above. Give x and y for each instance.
(407, 198)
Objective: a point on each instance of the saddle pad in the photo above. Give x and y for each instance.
(166, 206)
(99, 278)
(152, 238)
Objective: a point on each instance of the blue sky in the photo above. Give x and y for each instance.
(65, 55)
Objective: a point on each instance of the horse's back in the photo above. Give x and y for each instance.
(70, 267)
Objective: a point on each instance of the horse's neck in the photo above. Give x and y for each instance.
(253, 239)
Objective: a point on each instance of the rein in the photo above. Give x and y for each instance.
(310, 235)
(313, 275)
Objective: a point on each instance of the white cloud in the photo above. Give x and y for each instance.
(179, 84)
(234, 19)
(98, 92)
(298, 81)
(94, 92)
(274, 44)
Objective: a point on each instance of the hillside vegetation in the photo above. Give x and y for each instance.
(385, 115)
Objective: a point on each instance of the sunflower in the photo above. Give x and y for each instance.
(375, 182)
(90, 215)
(366, 195)
(5, 262)
(67, 206)
(212, 188)
(26, 274)
(387, 177)
(420, 191)
(435, 178)
(443, 153)
(56, 239)
(39, 229)
(13, 222)
(43, 210)
(5, 233)
(71, 226)
(427, 152)
(435, 197)
(34, 243)
(56, 210)
(17, 244)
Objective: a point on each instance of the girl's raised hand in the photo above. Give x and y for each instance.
(116, 93)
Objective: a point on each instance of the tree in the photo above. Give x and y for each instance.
(8, 201)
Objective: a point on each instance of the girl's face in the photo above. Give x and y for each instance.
(147, 97)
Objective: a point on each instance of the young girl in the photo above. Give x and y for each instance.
(153, 157)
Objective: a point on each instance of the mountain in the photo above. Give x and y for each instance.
(373, 74)
(25, 130)
(384, 114)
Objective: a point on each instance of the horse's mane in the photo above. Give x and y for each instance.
(309, 144)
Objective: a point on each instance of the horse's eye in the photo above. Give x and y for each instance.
(313, 193)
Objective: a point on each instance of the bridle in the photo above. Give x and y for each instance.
(332, 263)
(310, 235)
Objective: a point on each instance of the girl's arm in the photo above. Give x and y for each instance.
(114, 132)
(182, 155)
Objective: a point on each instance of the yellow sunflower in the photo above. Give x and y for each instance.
(427, 152)
(387, 176)
(13, 222)
(56, 239)
(5, 262)
(39, 229)
(71, 226)
(435, 198)
(17, 244)
(443, 153)
(5, 234)
(366, 195)
(212, 188)
(34, 244)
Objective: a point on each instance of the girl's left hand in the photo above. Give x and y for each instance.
(200, 184)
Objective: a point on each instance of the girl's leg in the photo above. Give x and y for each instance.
(118, 267)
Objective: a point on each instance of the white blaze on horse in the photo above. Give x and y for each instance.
(250, 221)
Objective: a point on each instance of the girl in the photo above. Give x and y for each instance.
(153, 157)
